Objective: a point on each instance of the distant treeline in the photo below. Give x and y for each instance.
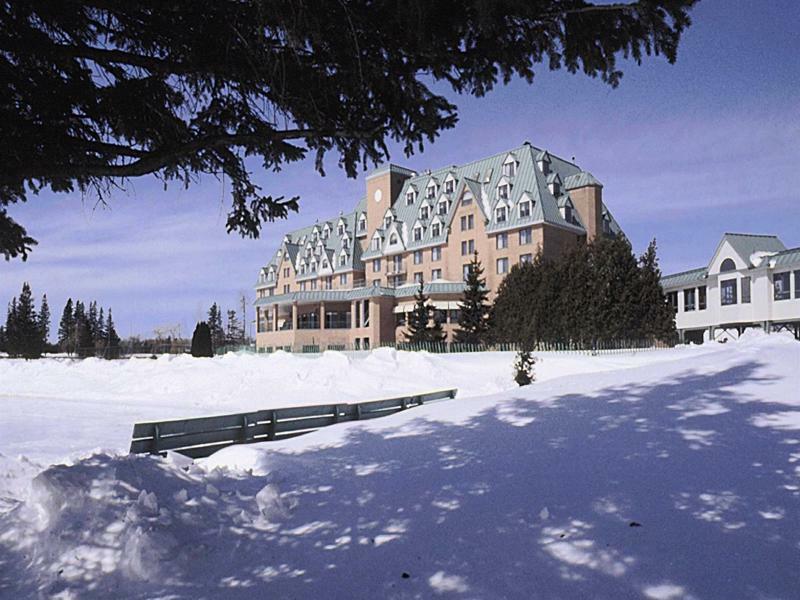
(81, 331)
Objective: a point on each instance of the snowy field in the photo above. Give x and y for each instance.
(663, 475)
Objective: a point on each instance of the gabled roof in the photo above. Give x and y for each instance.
(745, 244)
(582, 179)
(786, 258)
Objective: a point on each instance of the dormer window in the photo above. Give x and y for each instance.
(362, 223)
(430, 191)
(343, 260)
(393, 238)
(424, 212)
(345, 243)
(449, 186)
(441, 208)
(376, 243)
(500, 214)
(387, 221)
(436, 229)
(417, 233)
(510, 168)
(409, 197)
(544, 166)
(340, 229)
(555, 189)
(568, 217)
(524, 209)
(503, 190)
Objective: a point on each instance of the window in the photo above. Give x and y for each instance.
(328, 283)
(727, 265)
(672, 300)
(418, 277)
(362, 223)
(436, 229)
(701, 297)
(376, 243)
(797, 284)
(525, 236)
(424, 212)
(727, 291)
(313, 284)
(442, 208)
(570, 219)
(502, 265)
(376, 282)
(376, 265)
(465, 271)
(449, 186)
(397, 263)
(436, 274)
(467, 247)
(387, 221)
(746, 290)
(467, 222)
(393, 238)
(502, 191)
(343, 279)
(466, 200)
(688, 299)
(417, 233)
(302, 286)
(510, 168)
(286, 289)
(524, 209)
(417, 257)
(555, 189)
(501, 241)
(526, 259)
(430, 191)
(286, 272)
(409, 197)
(436, 254)
(340, 230)
(500, 214)
(780, 282)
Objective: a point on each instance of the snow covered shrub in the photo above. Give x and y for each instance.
(523, 367)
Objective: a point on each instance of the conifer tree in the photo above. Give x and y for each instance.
(473, 318)
(418, 320)
(201, 340)
(234, 332)
(112, 349)
(26, 339)
(78, 322)
(93, 320)
(523, 367)
(12, 340)
(215, 325)
(44, 322)
(65, 327)
(657, 317)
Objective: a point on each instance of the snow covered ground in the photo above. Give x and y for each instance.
(662, 475)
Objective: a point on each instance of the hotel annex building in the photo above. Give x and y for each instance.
(350, 281)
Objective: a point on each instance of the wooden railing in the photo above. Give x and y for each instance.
(200, 437)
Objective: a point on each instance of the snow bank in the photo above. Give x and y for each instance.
(662, 479)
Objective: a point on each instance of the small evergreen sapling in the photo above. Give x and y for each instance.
(473, 319)
(523, 368)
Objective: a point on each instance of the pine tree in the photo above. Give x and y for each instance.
(78, 324)
(418, 319)
(93, 320)
(656, 316)
(65, 327)
(201, 340)
(12, 341)
(44, 322)
(523, 368)
(27, 339)
(112, 349)
(473, 319)
(233, 333)
(215, 325)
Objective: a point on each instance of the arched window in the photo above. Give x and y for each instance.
(727, 265)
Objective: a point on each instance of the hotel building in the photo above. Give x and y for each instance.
(349, 282)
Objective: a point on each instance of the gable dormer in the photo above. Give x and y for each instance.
(443, 205)
(449, 183)
(361, 228)
(504, 189)
(437, 226)
(510, 165)
(567, 209)
(388, 218)
(411, 195)
(554, 184)
(543, 162)
(431, 188)
(341, 227)
(376, 243)
(417, 231)
(525, 206)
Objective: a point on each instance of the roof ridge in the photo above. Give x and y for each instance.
(685, 272)
(761, 235)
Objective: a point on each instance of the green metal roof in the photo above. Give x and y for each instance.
(787, 258)
(745, 244)
(430, 289)
(684, 278)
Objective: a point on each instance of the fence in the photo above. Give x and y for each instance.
(200, 437)
(615, 347)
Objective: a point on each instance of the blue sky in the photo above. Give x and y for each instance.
(685, 151)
